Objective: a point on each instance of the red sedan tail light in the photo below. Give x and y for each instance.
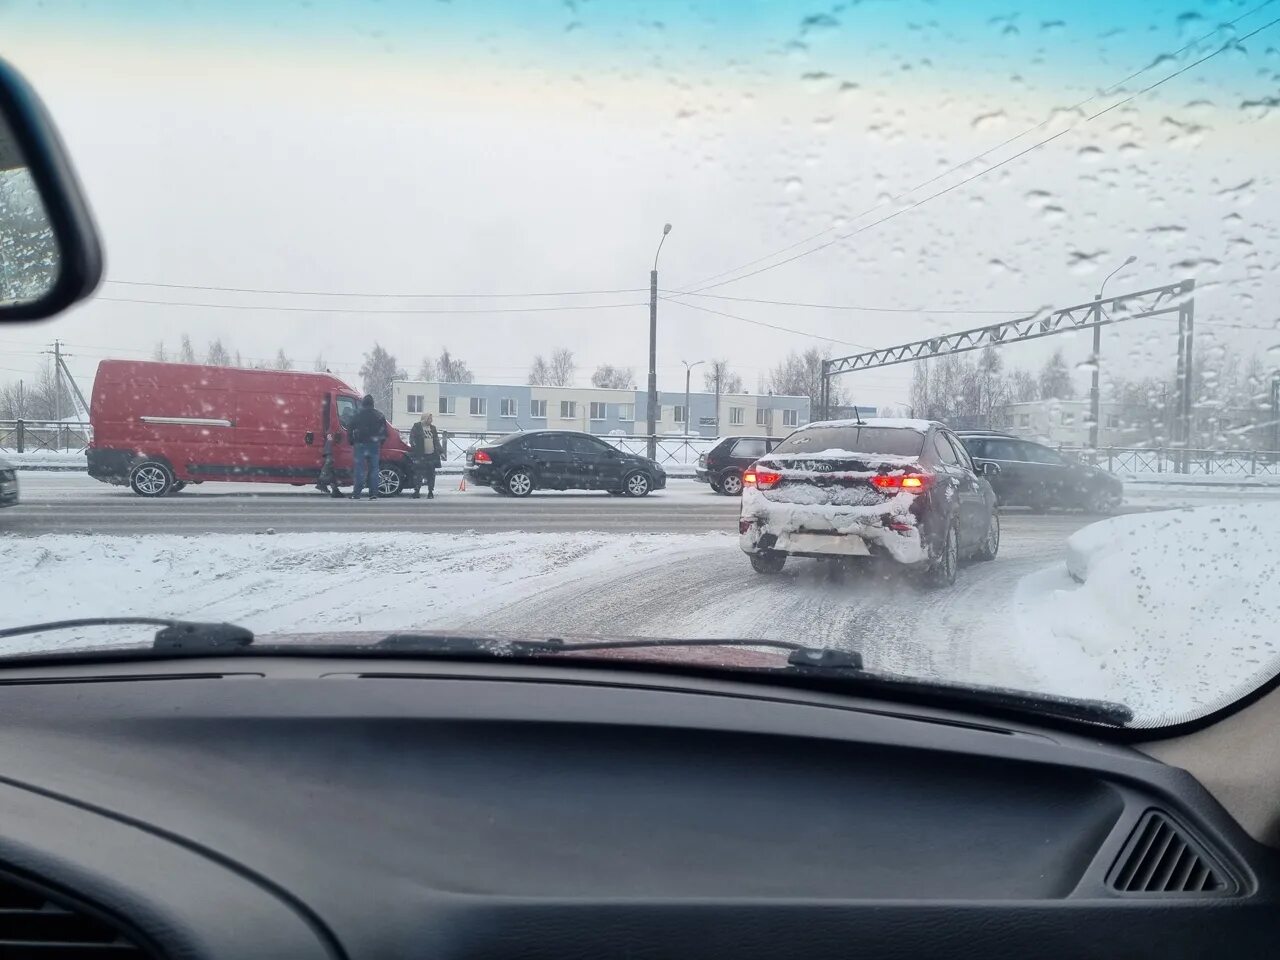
(761, 478)
(482, 456)
(909, 482)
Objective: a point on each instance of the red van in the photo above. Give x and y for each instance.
(160, 426)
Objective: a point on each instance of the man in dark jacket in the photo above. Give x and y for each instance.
(368, 428)
(424, 442)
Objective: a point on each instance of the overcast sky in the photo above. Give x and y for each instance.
(432, 148)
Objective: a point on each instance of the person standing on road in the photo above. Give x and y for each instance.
(428, 455)
(328, 472)
(368, 428)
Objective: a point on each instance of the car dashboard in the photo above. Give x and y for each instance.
(311, 807)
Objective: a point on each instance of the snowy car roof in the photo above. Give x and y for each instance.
(899, 423)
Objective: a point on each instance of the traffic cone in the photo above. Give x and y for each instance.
(462, 484)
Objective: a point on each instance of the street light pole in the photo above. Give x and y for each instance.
(653, 347)
(1095, 398)
(688, 369)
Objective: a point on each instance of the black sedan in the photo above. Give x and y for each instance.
(1033, 475)
(723, 465)
(519, 463)
(8, 484)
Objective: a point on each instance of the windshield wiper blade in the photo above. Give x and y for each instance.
(174, 636)
(798, 655)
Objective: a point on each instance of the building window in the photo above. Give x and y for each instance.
(677, 414)
(737, 416)
(790, 418)
(627, 412)
(1024, 419)
(597, 410)
(568, 410)
(479, 406)
(415, 402)
(538, 409)
(508, 407)
(762, 417)
(448, 405)
(1068, 418)
(1113, 421)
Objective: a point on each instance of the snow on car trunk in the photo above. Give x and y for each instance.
(1177, 613)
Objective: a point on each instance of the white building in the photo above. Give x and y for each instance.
(1066, 422)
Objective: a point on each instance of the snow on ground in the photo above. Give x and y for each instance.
(46, 459)
(320, 580)
(1179, 610)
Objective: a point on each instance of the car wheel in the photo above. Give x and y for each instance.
(636, 485)
(768, 562)
(1101, 501)
(519, 483)
(390, 482)
(990, 545)
(731, 483)
(151, 478)
(942, 572)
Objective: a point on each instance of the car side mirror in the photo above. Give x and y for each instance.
(52, 257)
(990, 469)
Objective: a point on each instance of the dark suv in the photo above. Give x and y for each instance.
(723, 465)
(1039, 477)
(519, 463)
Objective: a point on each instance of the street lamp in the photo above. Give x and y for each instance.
(688, 368)
(653, 347)
(1095, 399)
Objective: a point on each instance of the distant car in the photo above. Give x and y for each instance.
(905, 490)
(1039, 477)
(8, 484)
(519, 463)
(723, 465)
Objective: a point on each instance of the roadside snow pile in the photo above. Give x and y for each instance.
(304, 582)
(46, 459)
(1179, 611)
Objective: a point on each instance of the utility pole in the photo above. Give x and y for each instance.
(653, 347)
(688, 369)
(717, 399)
(1095, 397)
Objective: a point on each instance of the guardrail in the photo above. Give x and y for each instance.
(670, 450)
(25, 436)
(1140, 461)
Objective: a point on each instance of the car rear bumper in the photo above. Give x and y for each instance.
(700, 474)
(109, 466)
(482, 474)
(8, 493)
(830, 532)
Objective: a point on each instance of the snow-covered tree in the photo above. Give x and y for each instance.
(563, 367)
(218, 355)
(186, 353)
(451, 369)
(616, 378)
(1055, 379)
(282, 361)
(540, 372)
(377, 372)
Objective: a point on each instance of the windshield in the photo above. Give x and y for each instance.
(876, 440)
(627, 231)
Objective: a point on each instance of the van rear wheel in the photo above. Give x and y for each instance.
(151, 478)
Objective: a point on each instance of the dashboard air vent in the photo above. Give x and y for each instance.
(1161, 858)
(35, 926)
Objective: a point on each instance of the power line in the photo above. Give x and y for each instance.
(771, 326)
(842, 306)
(706, 285)
(380, 295)
(377, 310)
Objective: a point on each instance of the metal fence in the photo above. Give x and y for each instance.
(680, 451)
(1142, 461)
(29, 436)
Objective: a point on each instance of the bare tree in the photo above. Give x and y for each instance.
(159, 353)
(427, 369)
(186, 353)
(616, 378)
(1055, 379)
(540, 372)
(319, 365)
(376, 373)
(451, 369)
(1023, 386)
(563, 367)
(730, 382)
(800, 375)
(218, 355)
(282, 361)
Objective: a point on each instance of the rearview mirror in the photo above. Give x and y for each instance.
(990, 469)
(50, 257)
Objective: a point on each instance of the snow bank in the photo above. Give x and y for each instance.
(304, 581)
(1179, 611)
(46, 459)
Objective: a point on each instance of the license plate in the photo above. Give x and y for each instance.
(842, 545)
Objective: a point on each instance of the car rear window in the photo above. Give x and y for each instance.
(888, 441)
